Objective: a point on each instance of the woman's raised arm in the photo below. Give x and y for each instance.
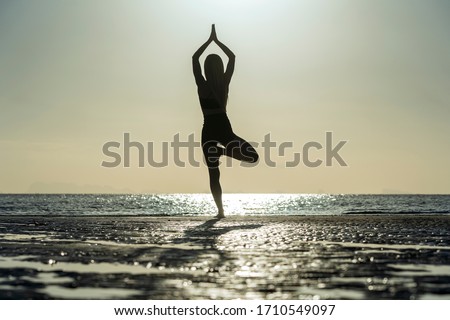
(195, 60)
(231, 57)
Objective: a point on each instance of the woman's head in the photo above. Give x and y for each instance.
(215, 78)
(213, 67)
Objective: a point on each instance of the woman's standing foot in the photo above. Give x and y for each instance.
(220, 215)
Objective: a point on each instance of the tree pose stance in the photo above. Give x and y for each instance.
(218, 137)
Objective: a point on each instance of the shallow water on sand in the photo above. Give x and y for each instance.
(321, 257)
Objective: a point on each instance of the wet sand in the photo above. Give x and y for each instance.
(278, 257)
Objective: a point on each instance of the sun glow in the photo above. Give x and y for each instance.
(241, 3)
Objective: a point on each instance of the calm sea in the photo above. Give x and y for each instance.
(235, 204)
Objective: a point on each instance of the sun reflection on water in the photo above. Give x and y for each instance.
(255, 204)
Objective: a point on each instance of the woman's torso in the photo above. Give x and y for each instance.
(216, 125)
(209, 102)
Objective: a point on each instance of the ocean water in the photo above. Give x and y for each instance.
(234, 204)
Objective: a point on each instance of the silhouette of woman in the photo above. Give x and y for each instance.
(218, 137)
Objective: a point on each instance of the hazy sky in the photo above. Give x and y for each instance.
(77, 74)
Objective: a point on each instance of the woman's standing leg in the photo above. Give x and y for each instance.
(216, 189)
(212, 153)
